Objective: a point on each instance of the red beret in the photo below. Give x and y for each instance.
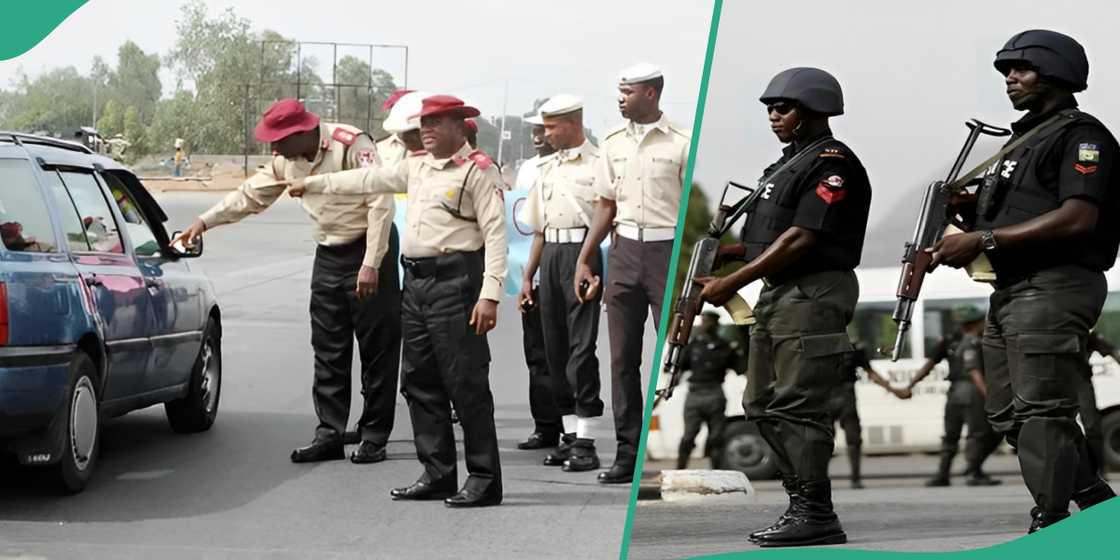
(285, 118)
(446, 104)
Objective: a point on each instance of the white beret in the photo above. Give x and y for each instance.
(638, 73)
(561, 104)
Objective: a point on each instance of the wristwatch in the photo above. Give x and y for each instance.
(988, 240)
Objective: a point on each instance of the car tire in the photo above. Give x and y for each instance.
(745, 451)
(1110, 426)
(196, 411)
(80, 430)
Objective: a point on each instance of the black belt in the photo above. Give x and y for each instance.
(452, 264)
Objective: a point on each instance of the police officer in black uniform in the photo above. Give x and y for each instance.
(964, 404)
(1087, 402)
(803, 239)
(842, 406)
(1047, 218)
(707, 358)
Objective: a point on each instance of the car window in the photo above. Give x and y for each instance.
(872, 325)
(25, 223)
(101, 228)
(143, 240)
(66, 212)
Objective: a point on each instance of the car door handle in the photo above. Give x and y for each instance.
(93, 281)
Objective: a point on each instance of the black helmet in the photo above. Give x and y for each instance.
(1054, 55)
(812, 88)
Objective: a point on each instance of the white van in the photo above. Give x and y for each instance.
(890, 425)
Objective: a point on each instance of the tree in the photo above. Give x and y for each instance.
(111, 120)
(175, 118)
(58, 102)
(134, 131)
(135, 82)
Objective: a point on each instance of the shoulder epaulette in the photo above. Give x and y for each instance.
(614, 130)
(480, 159)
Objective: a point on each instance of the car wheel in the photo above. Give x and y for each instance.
(196, 411)
(745, 451)
(81, 428)
(1111, 428)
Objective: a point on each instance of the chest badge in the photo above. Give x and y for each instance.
(1008, 168)
(767, 190)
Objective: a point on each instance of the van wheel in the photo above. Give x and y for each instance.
(745, 451)
(1110, 425)
(81, 428)
(196, 411)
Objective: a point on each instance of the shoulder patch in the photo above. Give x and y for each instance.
(344, 136)
(480, 159)
(680, 131)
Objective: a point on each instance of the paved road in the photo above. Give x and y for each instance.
(231, 492)
(894, 512)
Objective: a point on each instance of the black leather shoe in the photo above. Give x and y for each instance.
(981, 479)
(1041, 519)
(538, 440)
(319, 450)
(423, 491)
(467, 498)
(351, 437)
(582, 462)
(562, 453)
(811, 520)
(368, 452)
(1096, 493)
(793, 489)
(937, 482)
(617, 474)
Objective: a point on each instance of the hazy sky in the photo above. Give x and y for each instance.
(468, 49)
(912, 74)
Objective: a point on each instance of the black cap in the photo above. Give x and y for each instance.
(811, 88)
(1054, 55)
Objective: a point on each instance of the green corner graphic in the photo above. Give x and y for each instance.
(25, 24)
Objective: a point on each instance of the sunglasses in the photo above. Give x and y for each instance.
(780, 108)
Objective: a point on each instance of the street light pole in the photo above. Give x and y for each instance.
(502, 130)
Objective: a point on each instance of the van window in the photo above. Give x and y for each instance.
(25, 222)
(872, 325)
(939, 320)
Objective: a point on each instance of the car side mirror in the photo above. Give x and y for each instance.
(183, 251)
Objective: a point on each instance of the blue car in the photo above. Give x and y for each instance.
(99, 315)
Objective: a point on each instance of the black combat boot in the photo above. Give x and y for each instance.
(793, 489)
(813, 523)
(1040, 519)
(942, 476)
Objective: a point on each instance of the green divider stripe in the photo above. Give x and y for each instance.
(24, 24)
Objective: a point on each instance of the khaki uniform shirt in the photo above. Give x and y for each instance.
(391, 150)
(338, 219)
(454, 204)
(644, 173)
(564, 194)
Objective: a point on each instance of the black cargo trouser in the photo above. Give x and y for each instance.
(337, 318)
(571, 330)
(798, 347)
(636, 274)
(1091, 419)
(964, 405)
(842, 406)
(445, 364)
(543, 405)
(1034, 357)
(704, 404)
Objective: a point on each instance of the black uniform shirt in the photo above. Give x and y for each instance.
(963, 354)
(1077, 161)
(708, 357)
(828, 193)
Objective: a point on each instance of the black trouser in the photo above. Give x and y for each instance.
(446, 363)
(542, 401)
(965, 405)
(337, 317)
(796, 362)
(704, 404)
(636, 273)
(571, 330)
(842, 405)
(1034, 358)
